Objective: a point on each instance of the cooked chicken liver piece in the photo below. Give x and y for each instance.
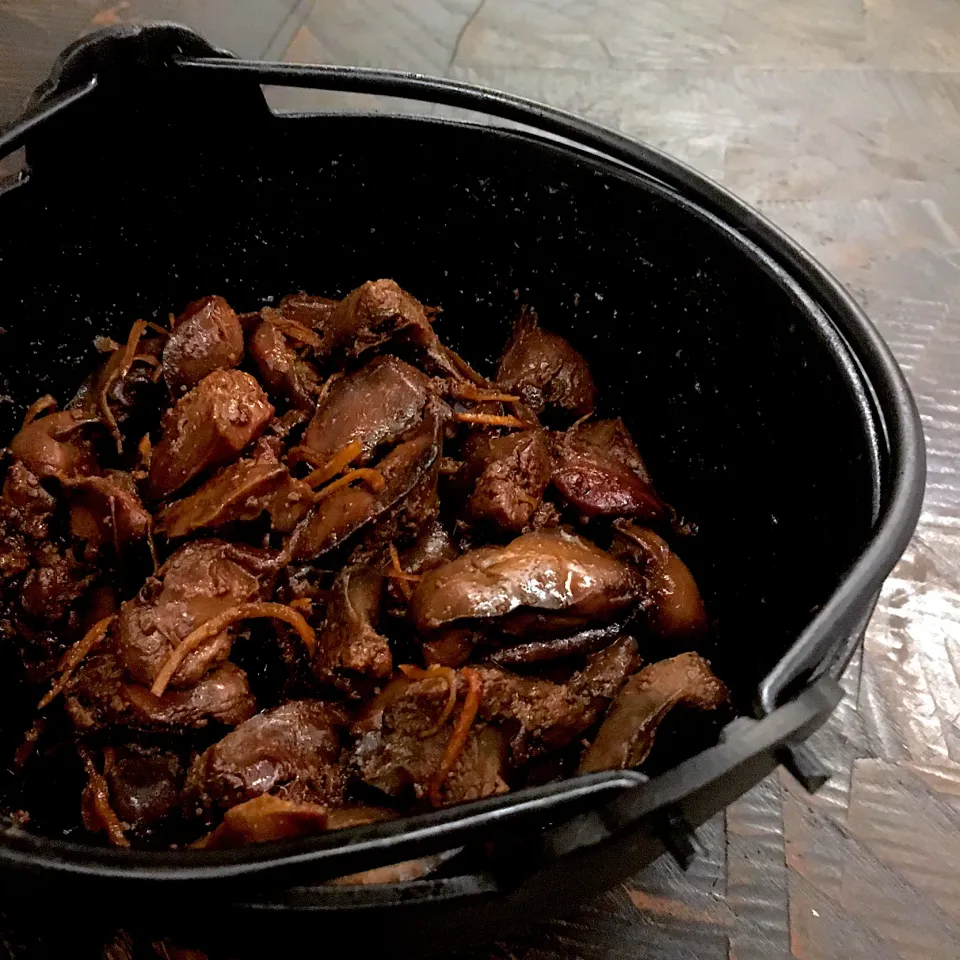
(201, 580)
(280, 368)
(25, 504)
(557, 648)
(376, 405)
(207, 336)
(265, 819)
(351, 654)
(550, 578)
(507, 477)
(432, 548)
(676, 610)
(540, 716)
(350, 508)
(25, 512)
(241, 491)
(57, 445)
(305, 308)
(222, 696)
(145, 783)
(369, 317)
(99, 697)
(402, 522)
(206, 428)
(626, 736)
(599, 472)
(545, 371)
(290, 751)
(55, 584)
(106, 511)
(399, 748)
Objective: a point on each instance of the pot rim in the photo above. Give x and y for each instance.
(895, 513)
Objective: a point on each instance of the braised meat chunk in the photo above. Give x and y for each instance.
(290, 751)
(676, 609)
(545, 715)
(343, 509)
(548, 374)
(410, 745)
(626, 737)
(242, 491)
(58, 445)
(200, 581)
(264, 819)
(598, 471)
(369, 317)
(100, 697)
(106, 511)
(207, 427)
(145, 784)
(541, 583)
(26, 509)
(302, 568)
(374, 407)
(507, 477)
(281, 368)
(206, 337)
(350, 652)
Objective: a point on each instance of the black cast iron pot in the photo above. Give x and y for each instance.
(764, 401)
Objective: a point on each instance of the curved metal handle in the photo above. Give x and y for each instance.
(39, 113)
(331, 854)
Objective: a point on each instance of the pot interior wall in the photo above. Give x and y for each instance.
(740, 406)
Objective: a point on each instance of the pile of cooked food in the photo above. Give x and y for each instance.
(277, 573)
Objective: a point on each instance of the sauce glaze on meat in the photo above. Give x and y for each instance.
(270, 574)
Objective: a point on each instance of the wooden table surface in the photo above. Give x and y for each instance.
(840, 119)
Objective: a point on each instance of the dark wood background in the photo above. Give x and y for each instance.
(841, 120)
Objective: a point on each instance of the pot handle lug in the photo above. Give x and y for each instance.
(661, 815)
(129, 70)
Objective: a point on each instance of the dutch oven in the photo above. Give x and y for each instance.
(764, 401)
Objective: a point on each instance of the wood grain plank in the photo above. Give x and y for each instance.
(756, 881)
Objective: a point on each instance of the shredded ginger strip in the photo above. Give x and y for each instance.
(243, 611)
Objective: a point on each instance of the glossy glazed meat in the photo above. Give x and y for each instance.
(676, 609)
(144, 783)
(264, 819)
(369, 317)
(598, 471)
(242, 491)
(375, 406)
(299, 568)
(548, 374)
(207, 427)
(290, 751)
(402, 736)
(284, 373)
(200, 581)
(626, 737)
(106, 511)
(549, 579)
(351, 654)
(56, 446)
(506, 478)
(352, 508)
(547, 716)
(101, 696)
(206, 337)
